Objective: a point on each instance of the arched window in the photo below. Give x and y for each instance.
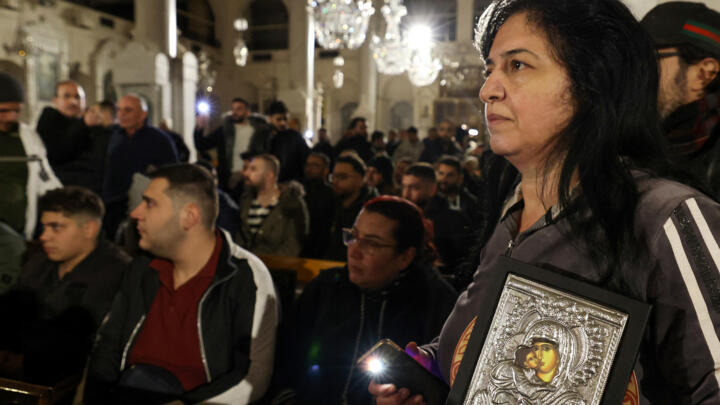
(196, 21)
(120, 8)
(401, 115)
(268, 25)
(441, 16)
(346, 114)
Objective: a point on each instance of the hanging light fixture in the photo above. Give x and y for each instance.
(341, 23)
(391, 53)
(206, 73)
(240, 50)
(23, 44)
(338, 77)
(423, 68)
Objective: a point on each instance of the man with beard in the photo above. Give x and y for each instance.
(348, 180)
(443, 144)
(286, 144)
(356, 139)
(320, 200)
(273, 218)
(450, 179)
(197, 321)
(231, 139)
(687, 38)
(75, 139)
(25, 173)
(452, 227)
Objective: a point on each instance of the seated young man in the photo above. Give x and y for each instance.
(196, 322)
(75, 267)
(388, 289)
(65, 289)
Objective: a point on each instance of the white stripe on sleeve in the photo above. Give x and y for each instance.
(705, 232)
(701, 310)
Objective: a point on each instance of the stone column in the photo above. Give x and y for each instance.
(156, 23)
(188, 89)
(465, 20)
(300, 98)
(368, 86)
(139, 69)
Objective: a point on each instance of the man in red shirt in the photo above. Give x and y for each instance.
(197, 321)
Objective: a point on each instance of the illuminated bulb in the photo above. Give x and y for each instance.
(473, 132)
(375, 366)
(419, 36)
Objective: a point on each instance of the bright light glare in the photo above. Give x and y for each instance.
(309, 135)
(473, 132)
(419, 36)
(203, 107)
(375, 366)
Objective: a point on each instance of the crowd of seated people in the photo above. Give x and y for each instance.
(152, 259)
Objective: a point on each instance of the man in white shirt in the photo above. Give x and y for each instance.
(230, 139)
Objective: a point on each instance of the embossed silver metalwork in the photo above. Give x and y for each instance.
(582, 335)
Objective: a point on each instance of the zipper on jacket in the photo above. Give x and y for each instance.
(130, 340)
(511, 245)
(199, 324)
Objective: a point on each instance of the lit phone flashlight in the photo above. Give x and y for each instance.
(375, 366)
(203, 107)
(387, 363)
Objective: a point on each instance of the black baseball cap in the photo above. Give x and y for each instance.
(11, 91)
(679, 22)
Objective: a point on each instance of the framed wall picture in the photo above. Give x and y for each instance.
(47, 74)
(549, 340)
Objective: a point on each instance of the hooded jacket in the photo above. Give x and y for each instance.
(284, 229)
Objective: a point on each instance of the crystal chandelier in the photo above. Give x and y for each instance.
(341, 23)
(424, 68)
(391, 53)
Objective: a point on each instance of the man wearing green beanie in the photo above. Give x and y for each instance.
(24, 170)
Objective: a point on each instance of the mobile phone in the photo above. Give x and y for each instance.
(387, 363)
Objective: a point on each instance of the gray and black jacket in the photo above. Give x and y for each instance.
(237, 320)
(679, 358)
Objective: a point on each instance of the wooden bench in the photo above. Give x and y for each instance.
(22, 393)
(306, 269)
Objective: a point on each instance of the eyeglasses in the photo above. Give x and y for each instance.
(663, 55)
(366, 246)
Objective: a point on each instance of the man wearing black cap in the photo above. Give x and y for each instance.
(25, 173)
(687, 38)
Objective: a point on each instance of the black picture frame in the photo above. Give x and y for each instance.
(625, 355)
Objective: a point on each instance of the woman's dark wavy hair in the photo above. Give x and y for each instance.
(412, 230)
(613, 74)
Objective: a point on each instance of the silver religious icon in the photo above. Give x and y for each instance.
(545, 347)
(551, 340)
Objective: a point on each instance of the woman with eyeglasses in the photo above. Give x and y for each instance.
(388, 289)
